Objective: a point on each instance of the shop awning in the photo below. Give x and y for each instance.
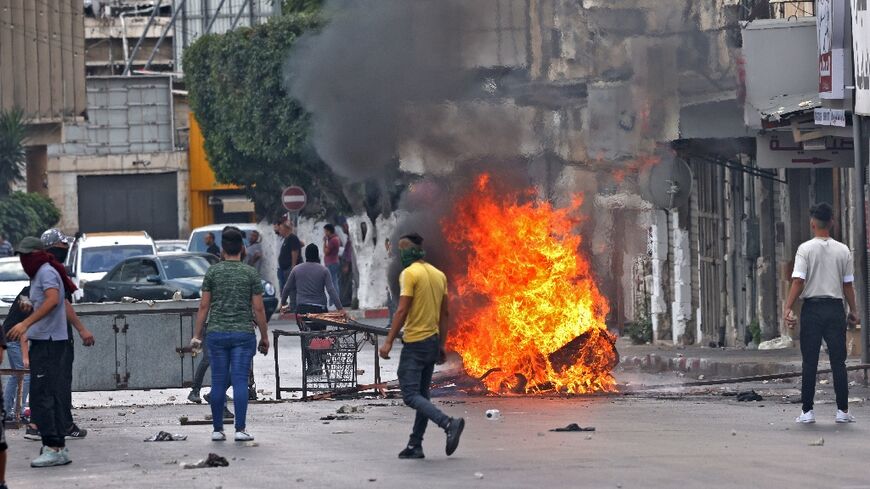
(233, 204)
(784, 106)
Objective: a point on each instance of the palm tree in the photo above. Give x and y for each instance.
(12, 156)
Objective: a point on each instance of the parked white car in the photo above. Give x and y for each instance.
(196, 243)
(171, 245)
(94, 254)
(12, 280)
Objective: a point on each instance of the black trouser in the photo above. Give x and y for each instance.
(66, 392)
(823, 319)
(48, 362)
(416, 364)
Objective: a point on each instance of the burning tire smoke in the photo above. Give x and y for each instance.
(526, 303)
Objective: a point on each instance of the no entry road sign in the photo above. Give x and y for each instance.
(293, 198)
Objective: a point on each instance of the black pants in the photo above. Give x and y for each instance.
(823, 319)
(315, 359)
(48, 362)
(66, 392)
(416, 364)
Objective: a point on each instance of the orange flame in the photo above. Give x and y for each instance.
(527, 303)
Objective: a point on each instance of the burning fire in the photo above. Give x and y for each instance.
(527, 303)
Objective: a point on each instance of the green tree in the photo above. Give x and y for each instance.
(23, 214)
(256, 135)
(12, 156)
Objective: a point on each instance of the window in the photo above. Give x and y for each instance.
(12, 271)
(125, 273)
(185, 266)
(147, 268)
(103, 258)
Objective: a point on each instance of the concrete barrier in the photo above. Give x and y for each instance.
(138, 346)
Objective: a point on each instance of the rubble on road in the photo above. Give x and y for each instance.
(781, 343)
(213, 460)
(573, 427)
(818, 443)
(749, 396)
(164, 436)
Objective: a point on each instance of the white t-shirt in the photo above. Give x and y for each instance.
(825, 265)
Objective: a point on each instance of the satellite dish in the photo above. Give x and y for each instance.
(667, 184)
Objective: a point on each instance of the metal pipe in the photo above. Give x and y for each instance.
(859, 247)
(239, 14)
(165, 31)
(124, 45)
(214, 17)
(129, 64)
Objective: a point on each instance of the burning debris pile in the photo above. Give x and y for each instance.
(526, 302)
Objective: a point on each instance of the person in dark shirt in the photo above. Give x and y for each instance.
(211, 247)
(290, 254)
(18, 358)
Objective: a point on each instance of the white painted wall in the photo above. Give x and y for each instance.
(370, 254)
(659, 251)
(681, 307)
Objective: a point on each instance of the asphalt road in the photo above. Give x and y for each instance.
(672, 438)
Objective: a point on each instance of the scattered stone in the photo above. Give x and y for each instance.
(824, 382)
(342, 432)
(478, 475)
(347, 409)
(541, 434)
(853, 384)
(573, 427)
(818, 443)
(588, 437)
(733, 433)
(701, 377)
(339, 417)
(171, 399)
(250, 444)
(213, 460)
(122, 413)
(171, 462)
(749, 396)
(373, 480)
(164, 436)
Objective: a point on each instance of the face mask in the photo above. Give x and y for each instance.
(410, 255)
(59, 253)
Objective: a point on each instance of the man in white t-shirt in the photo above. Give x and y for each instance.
(823, 277)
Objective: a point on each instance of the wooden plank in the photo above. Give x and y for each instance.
(31, 106)
(7, 79)
(43, 61)
(56, 59)
(19, 39)
(66, 66)
(78, 43)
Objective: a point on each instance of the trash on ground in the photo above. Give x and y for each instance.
(213, 460)
(824, 382)
(339, 417)
(818, 443)
(574, 427)
(493, 414)
(479, 475)
(164, 436)
(780, 343)
(749, 396)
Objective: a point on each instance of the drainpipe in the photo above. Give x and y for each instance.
(860, 246)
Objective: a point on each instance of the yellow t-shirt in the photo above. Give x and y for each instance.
(428, 287)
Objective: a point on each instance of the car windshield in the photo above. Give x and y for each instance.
(11, 271)
(101, 259)
(170, 247)
(197, 241)
(185, 266)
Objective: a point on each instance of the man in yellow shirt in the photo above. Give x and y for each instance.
(423, 313)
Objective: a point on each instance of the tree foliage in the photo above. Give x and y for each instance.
(23, 214)
(12, 156)
(256, 135)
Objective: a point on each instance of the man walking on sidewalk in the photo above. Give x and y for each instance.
(823, 276)
(423, 313)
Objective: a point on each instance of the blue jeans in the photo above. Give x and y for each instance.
(10, 392)
(231, 355)
(335, 273)
(416, 364)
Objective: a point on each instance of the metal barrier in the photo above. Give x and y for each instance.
(138, 346)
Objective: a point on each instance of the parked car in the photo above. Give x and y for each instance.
(94, 254)
(158, 277)
(196, 243)
(170, 245)
(12, 280)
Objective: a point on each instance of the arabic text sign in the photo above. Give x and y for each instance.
(779, 150)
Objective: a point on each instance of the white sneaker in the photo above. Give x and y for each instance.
(243, 436)
(218, 436)
(845, 417)
(806, 418)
